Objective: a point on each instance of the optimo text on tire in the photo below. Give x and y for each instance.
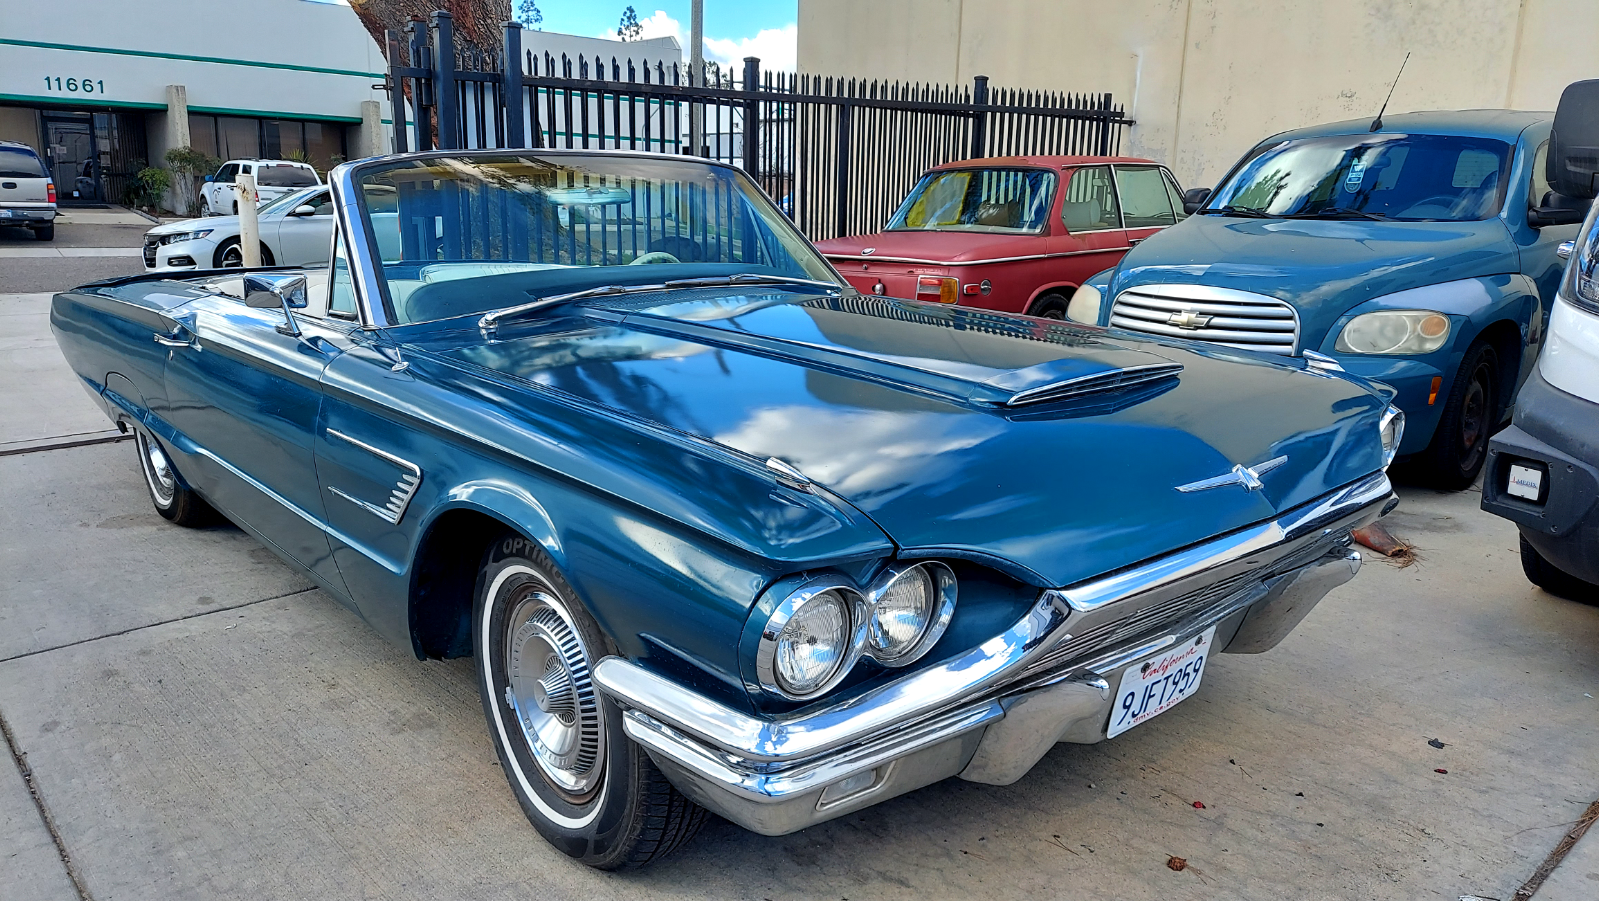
(588, 789)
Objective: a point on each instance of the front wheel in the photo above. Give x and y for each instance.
(1557, 582)
(588, 789)
(231, 255)
(1460, 446)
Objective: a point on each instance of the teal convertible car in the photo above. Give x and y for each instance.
(721, 532)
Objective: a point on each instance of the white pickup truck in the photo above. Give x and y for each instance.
(273, 179)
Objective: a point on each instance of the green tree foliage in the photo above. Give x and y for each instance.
(527, 12)
(630, 29)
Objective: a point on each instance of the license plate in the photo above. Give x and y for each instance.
(1525, 482)
(5, 214)
(1155, 686)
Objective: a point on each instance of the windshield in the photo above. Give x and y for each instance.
(20, 164)
(289, 200)
(468, 234)
(281, 176)
(1388, 176)
(1007, 201)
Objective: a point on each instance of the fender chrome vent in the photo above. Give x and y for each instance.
(1098, 383)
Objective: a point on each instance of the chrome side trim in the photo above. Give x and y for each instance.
(1032, 256)
(399, 498)
(996, 662)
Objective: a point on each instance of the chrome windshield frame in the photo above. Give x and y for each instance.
(371, 288)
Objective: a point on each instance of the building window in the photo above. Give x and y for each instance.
(236, 137)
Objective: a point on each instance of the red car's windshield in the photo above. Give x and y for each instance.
(1005, 201)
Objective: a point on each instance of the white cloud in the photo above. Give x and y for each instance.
(776, 47)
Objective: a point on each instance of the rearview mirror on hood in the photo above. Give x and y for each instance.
(1573, 167)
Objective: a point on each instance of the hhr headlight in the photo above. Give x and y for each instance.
(1084, 305)
(1394, 332)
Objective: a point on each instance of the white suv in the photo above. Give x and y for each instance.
(27, 193)
(273, 179)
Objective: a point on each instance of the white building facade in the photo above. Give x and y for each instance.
(104, 87)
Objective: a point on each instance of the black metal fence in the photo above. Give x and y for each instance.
(837, 154)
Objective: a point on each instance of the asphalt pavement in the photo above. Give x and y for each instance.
(188, 718)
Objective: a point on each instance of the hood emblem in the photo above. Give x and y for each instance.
(1246, 477)
(1189, 320)
(868, 251)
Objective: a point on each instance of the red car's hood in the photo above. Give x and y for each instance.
(933, 246)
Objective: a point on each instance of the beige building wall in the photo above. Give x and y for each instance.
(1206, 79)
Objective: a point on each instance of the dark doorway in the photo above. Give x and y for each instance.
(70, 151)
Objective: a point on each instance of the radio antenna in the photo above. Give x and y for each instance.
(1377, 122)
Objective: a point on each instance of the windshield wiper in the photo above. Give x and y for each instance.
(1340, 212)
(1247, 212)
(493, 318)
(749, 278)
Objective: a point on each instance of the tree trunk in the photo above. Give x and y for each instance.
(477, 22)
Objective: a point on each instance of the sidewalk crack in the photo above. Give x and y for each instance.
(21, 760)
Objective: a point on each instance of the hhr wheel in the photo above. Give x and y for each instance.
(588, 789)
(1459, 447)
(173, 498)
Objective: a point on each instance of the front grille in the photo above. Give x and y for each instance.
(1201, 313)
(150, 244)
(1148, 620)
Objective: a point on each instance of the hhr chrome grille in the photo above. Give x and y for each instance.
(1201, 313)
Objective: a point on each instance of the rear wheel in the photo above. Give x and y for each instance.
(588, 789)
(171, 495)
(1559, 583)
(1050, 306)
(45, 233)
(1459, 447)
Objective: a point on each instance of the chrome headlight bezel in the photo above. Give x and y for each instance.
(940, 611)
(853, 637)
(1413, 342)
(860, 606)
(1391, 432)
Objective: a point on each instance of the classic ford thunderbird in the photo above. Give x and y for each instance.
(721, 532)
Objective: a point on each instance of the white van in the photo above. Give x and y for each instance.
(1543, 471)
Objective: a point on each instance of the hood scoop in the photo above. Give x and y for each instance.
(1095, 383)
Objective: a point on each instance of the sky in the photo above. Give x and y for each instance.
(734, 29)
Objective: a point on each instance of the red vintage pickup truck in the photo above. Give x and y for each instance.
(1016, 233)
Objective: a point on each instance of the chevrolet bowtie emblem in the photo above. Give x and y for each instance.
(1188, 320)
(1246, 477)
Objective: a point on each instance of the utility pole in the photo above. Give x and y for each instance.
(696, 66)
(249, 228)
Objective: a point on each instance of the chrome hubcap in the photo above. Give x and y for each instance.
(549, 689)
(163, 482)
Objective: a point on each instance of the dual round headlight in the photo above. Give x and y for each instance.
(817, 633)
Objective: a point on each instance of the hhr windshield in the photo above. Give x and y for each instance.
(1376, 176)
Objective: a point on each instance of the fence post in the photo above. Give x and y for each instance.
(422, 88)
(979, 118)
(845, 111)
(444, 80)
(511, 89)
(1104, 126)
(752, 118)
(391, 44)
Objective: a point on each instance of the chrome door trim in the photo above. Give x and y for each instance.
(399, 497)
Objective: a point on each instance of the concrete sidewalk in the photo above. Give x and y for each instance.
(41, 401)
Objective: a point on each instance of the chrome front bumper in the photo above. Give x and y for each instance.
(990, 714)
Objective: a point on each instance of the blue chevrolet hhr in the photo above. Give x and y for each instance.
(1419, 251)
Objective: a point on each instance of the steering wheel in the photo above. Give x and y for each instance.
(654, 256)
(1446, 201)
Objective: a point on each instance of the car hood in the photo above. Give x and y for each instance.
(1321, 267)
(932, 246)
(215, 223)
(897, 407)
